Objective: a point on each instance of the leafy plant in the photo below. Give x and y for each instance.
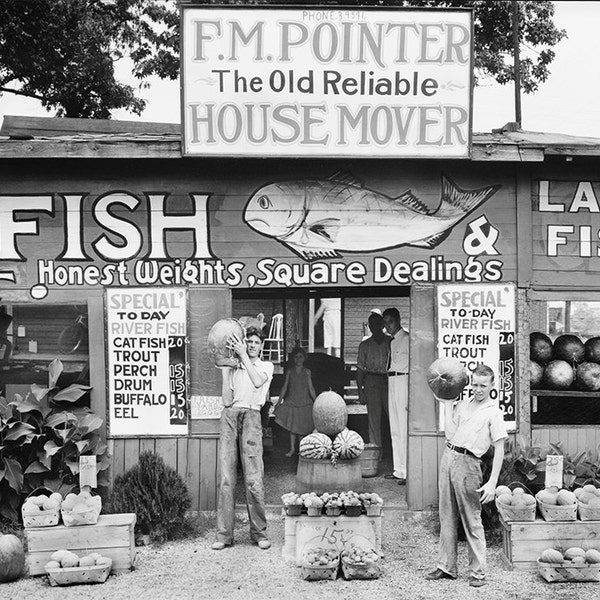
(41, 441)
(155, 492)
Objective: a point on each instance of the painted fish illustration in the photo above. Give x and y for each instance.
(321, 218)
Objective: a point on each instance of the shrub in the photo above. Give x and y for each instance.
(156, 493)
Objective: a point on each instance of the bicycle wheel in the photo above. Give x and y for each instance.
(71, 338)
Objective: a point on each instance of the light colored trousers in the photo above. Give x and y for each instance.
(241, 427)
(460, 476)
(398, 410)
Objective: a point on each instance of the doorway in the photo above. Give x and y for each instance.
(333, 366)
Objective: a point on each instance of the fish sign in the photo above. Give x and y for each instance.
(320, 219)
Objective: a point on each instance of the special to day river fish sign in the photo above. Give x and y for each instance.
(339, 82)
(476, 324)
(147, 357)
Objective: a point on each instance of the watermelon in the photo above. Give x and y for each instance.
(330, 414)
(220, 332)
(315, 445)
(348, 444)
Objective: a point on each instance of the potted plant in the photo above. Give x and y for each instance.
(292, 504)
(314, 505)
(351, 503)
(333, 504)
(372, 502)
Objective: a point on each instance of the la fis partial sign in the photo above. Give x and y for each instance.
(327, 82)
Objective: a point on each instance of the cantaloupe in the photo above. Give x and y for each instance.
(330, 414)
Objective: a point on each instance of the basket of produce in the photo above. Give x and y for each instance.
(575, 564)
(41, 508)
(360, 563)
(515, 504)
(320, 563)
(560, 505)
(372, 502)
(588, 502)
(292, 504)
(81, 509)
(66, 568)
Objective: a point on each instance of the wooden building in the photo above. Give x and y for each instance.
(100, 216)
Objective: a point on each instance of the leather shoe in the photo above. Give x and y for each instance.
(390, 476)
(219, 545)
(264, 544)
(401, 481)
(475, 582)
(438, 574)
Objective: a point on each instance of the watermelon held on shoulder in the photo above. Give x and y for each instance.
(447, 378)
(330, 413)
(220, 332)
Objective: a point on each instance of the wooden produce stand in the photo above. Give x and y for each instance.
(524, 541)
(111, 536)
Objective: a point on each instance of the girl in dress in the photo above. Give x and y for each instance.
(294, 409)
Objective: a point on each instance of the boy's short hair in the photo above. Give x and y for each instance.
(483, 371)
(250, 331)
(374, 320)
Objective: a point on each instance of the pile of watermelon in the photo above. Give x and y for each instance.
(331, 439)
(568, 363)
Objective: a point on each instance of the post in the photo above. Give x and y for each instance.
(517, 67)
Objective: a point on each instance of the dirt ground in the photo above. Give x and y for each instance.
(189, 569)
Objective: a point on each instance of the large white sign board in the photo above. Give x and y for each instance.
(147, 347)
(326, 82)
(476, 324)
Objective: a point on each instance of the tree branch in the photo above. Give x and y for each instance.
(19, 93)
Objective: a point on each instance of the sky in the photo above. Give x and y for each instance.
(569, 102)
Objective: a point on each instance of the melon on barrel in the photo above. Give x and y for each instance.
(220, 332)
(330, 414)
(447, 378)
(348, 444)
(315, 445)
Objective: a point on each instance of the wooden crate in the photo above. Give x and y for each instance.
(111, 536)
(329, 532)
(524, 541)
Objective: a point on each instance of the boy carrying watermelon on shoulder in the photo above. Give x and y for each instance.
(472, 425)
(245, 390)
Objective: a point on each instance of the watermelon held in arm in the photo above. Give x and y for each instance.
(447, 378)
(220, 332)
(330, 413)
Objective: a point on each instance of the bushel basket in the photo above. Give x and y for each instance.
(78, 575)
(557, 512)
(561, 573)
(588, 513)
(352, 570)
(87, 516)
(516, 513)
(40, 518)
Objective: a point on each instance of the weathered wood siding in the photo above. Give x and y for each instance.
(194, 458)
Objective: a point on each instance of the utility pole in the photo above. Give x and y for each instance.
(516, 67)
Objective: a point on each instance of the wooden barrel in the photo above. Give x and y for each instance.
(369, 460)
(320, 475)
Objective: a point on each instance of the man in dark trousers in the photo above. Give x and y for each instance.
(472, 425)
(371, 375)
